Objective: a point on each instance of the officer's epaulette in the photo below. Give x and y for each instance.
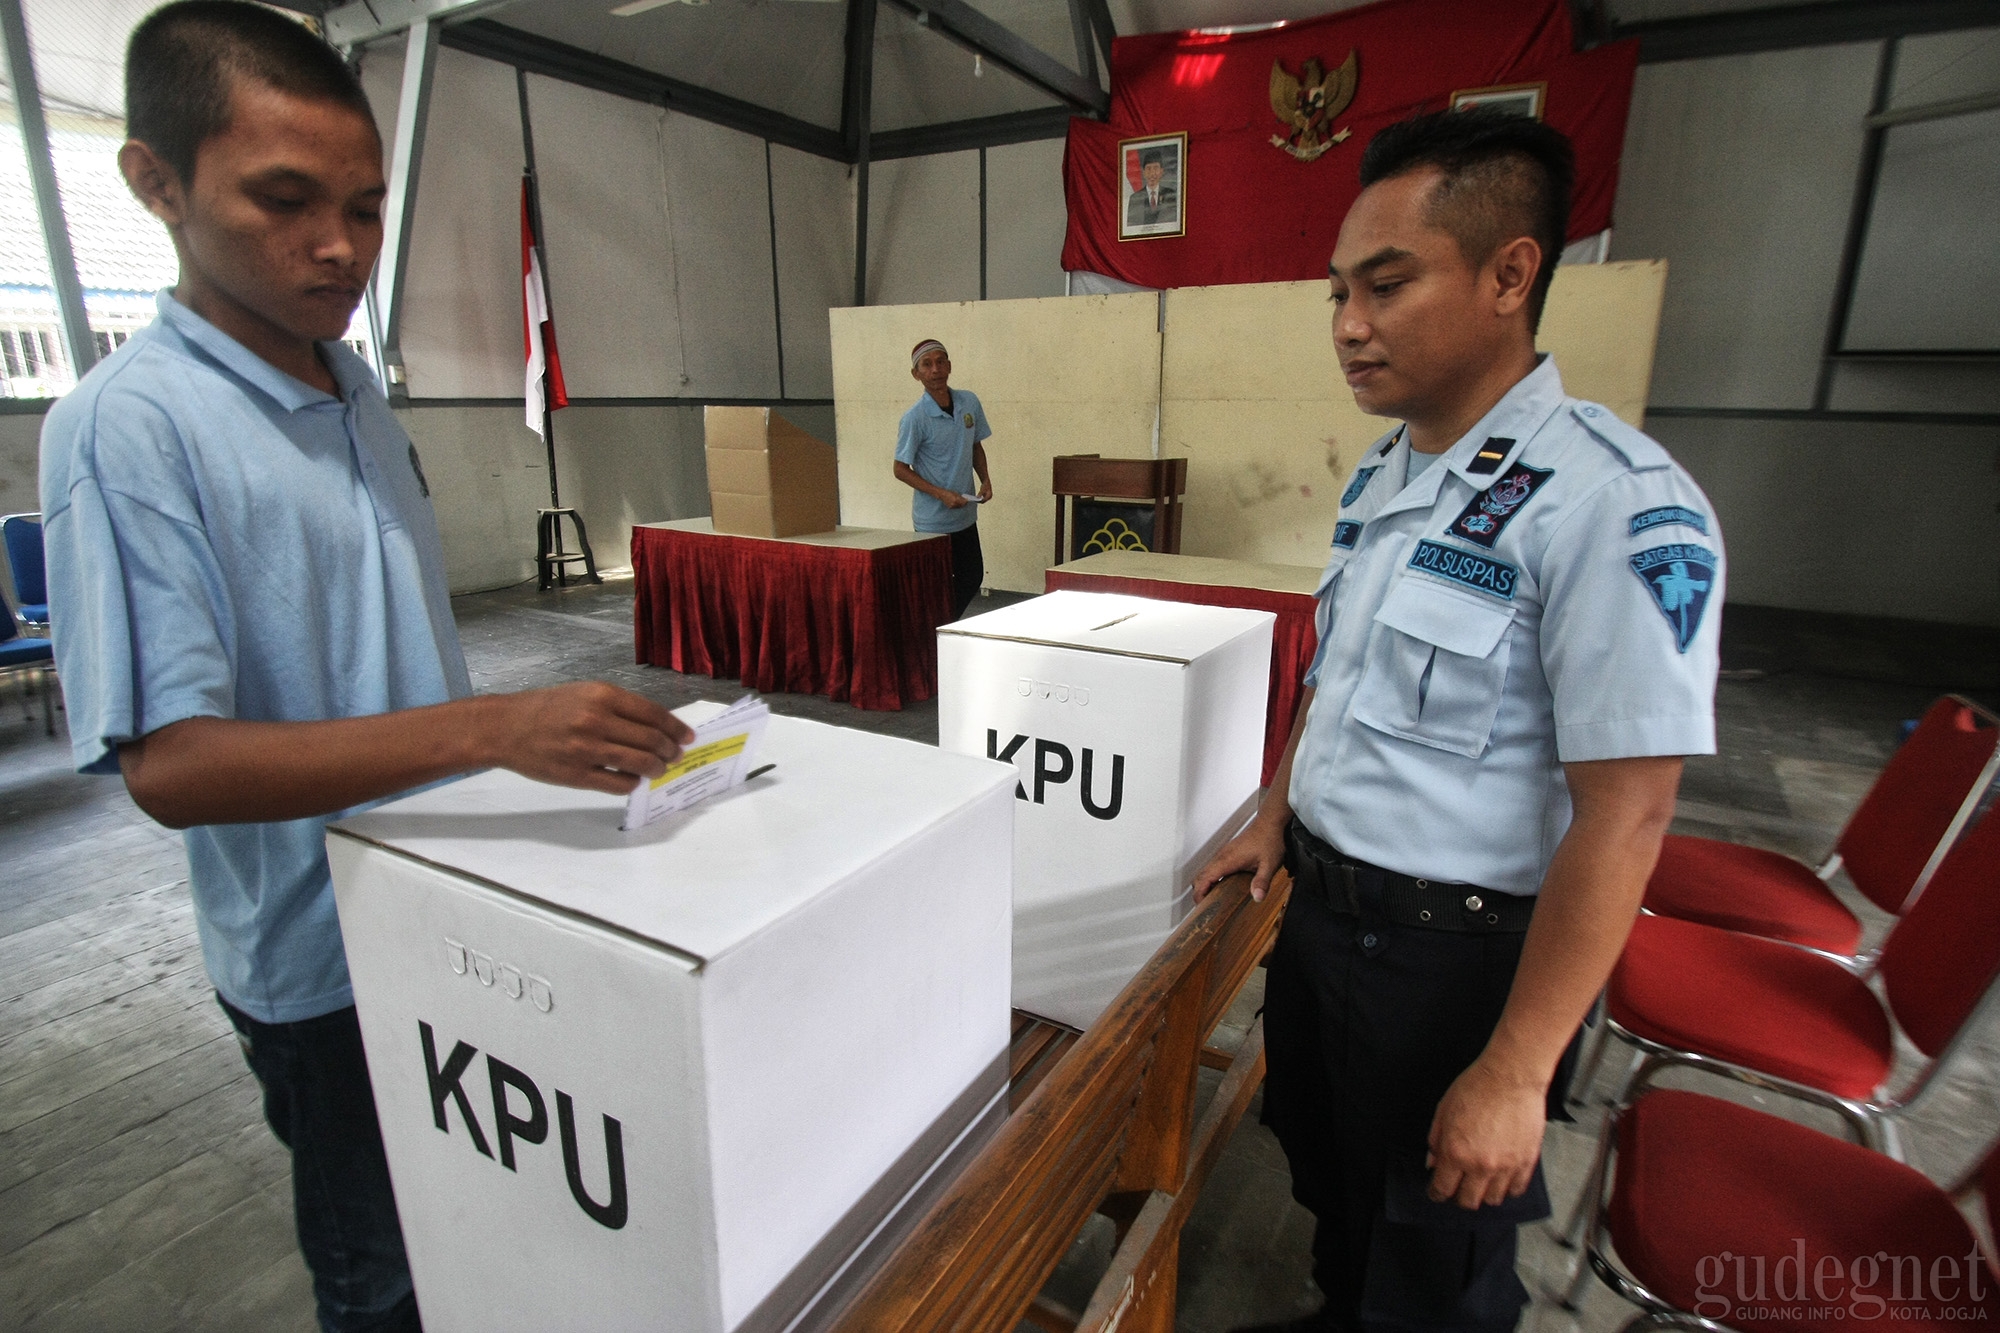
(1641, 452)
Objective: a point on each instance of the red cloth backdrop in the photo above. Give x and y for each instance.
(1294, 638)
(1256, 214)
(857, 626)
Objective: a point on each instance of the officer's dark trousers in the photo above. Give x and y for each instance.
(1366, 1026)
(968, 569)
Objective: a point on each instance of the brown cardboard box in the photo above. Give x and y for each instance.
(766, 477)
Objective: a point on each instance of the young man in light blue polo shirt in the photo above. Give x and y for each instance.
(248, 591)
(939, 447)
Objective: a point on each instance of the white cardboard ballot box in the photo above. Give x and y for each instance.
(1137, 729)
(668, 1079)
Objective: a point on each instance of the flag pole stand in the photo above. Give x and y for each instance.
(552, 560)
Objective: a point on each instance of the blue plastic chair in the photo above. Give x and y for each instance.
(23, 535)
(30, 659)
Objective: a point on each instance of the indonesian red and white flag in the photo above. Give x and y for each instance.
(545, 378)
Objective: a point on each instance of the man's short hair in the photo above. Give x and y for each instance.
(1151, 158)
(1503, 176)
(183, 60)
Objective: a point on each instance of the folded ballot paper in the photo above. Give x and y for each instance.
(720, 755)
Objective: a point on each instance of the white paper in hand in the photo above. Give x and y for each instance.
(719, 757)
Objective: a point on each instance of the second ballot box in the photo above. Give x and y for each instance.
(674, 1077)
(1136, 728)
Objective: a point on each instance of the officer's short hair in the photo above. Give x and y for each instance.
(184, 59)
(1504, 175)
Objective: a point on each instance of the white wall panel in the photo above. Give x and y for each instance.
(1026, 217)
(488, 474)
(1792, 494)
(623, 465)
(462, 307)
(815, 208)
(612, 281)
(1740, 173)
(923, 230)
(719, 220)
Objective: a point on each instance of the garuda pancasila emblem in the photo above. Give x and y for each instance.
(1307, 104)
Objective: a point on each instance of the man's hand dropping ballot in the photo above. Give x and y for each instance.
(718, 758)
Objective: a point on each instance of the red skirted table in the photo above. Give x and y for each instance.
(850, 614)
(1285, 590)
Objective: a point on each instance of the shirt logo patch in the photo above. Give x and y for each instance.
(1496, 578)
(1346, 533)
(1489, 455)
(1358, 485)
(417, 467)
(1493, 508)
(1680, 577)
(968, 421)
(1665, 514)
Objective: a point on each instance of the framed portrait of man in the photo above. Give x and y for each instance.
(1522, 99)
(1152, 187)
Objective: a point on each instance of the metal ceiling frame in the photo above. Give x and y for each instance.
(573, 64)
(857, 116)
(82, 348)
(366, 20)
(461, 29)
(399, 212)
(959, 22)
(1785, 27)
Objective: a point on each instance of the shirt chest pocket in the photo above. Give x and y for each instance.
(1437, 666)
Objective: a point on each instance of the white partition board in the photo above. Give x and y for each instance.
(1247, 389)
(1059, 375)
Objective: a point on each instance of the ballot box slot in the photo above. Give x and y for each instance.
(1069, 644)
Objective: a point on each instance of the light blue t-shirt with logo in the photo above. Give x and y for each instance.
(938, 445)
(226, 541)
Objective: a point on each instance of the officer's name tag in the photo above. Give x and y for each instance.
(1483, 573)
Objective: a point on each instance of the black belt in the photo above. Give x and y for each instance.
(1355, 888)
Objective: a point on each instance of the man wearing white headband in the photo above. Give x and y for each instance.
(938, 451)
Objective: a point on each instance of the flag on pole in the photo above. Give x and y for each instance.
(545, 378)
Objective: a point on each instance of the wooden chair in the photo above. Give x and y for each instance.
(1158, 481)
(1107, 1127)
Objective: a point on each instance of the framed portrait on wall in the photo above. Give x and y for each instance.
(1152, 187)
(1523, 99)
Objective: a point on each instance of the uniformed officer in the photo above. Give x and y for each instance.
(1516, 648)
(939, 448)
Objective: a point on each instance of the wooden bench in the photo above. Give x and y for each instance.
(1102, 1122)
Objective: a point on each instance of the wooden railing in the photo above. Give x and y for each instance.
(1108, 1127)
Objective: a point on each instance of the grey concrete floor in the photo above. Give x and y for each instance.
(140, 1190)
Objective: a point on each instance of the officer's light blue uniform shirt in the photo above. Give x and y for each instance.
(1549, 591)
(938, 444)
(226, 541)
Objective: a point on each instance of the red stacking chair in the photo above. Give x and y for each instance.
(1890, 848)
(1797, 1023)
(1724, 1217)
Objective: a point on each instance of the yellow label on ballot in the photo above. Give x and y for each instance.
(715, 760)
(700, 756)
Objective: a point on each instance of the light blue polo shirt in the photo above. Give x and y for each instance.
(226, 541)
(938, 444)
(1548, 591)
